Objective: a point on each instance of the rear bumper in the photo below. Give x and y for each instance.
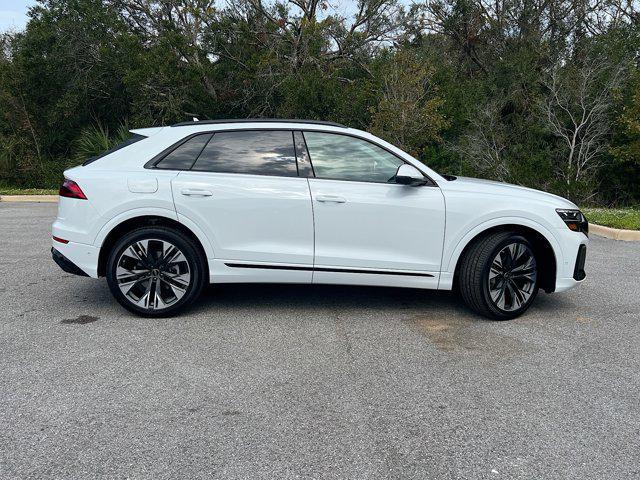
(81, 256)
(65, 264)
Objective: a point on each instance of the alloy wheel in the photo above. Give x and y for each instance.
(153, 274)
(512, 278)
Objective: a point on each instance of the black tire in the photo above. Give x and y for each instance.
(475, 268)
(191, 254)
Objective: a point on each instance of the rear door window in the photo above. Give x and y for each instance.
(256, 152)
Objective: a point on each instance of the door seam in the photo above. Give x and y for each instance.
(313, 221)
(173, 198)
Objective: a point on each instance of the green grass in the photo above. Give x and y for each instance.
(27, 191)
(626, 218)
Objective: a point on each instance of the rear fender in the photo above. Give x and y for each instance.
(154, 212)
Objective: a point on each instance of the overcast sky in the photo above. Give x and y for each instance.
(13, 13)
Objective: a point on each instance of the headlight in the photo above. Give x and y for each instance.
(574, 219)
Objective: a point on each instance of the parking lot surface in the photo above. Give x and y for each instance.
(284, 381)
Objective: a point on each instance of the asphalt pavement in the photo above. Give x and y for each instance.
(283, 381)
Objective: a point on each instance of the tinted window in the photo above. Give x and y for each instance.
(182, 157)
(304, 165)
(347, 158)
(268, 152)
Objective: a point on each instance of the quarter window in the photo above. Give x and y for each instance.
(183, 157)
(342, 157)
(268, 152)
(130, 141)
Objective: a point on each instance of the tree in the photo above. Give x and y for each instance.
(630, 123)
(484, 145)
(577, 110)
(408, 113)
(474, 87)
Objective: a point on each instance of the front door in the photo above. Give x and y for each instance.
(368, 229)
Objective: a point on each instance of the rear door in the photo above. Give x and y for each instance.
(368, 229)
(244, 192)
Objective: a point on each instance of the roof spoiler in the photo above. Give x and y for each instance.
(146, 132)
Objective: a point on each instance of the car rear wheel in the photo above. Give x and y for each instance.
(498, 277)
(155, 271)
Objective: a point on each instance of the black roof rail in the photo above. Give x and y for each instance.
(258, 120)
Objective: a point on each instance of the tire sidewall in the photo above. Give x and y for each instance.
(498, 313)
(191, 253)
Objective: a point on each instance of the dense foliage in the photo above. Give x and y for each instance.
(543, 93)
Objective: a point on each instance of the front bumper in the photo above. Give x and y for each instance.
(571, 272)
(65, 264)
(578, 271)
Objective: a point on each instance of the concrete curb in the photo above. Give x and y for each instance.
(29, 198)
(614, 233)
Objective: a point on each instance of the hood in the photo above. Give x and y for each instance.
(506, 189)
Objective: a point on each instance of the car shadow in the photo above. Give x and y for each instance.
(345, 297)
(301, 299)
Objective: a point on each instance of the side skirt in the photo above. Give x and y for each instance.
(327, 269)
(230, 271)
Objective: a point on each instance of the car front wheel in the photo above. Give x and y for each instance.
(155, 271)
(498, 277)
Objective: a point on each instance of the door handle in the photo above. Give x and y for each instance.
(330, 199)
(195, 192)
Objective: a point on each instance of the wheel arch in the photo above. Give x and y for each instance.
(545, 248)
(132, 223)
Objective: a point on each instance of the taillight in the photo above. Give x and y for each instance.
(71, 189)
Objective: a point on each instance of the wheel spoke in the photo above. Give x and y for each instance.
(159, 302)
(518, 251)
(145, 299)
(153, 292)
(132, 276)
(516, 295)
(529, 274)
(155, 251)
(179, 281)
(171, 255)
(514, 249)
(139, 251)
(498, 296)
(495, 270)
(529, 262)
(507, 258)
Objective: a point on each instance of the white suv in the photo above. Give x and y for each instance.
(294, 201)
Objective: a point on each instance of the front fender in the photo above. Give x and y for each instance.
(451, 255)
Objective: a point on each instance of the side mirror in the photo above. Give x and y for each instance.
(409, 175)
